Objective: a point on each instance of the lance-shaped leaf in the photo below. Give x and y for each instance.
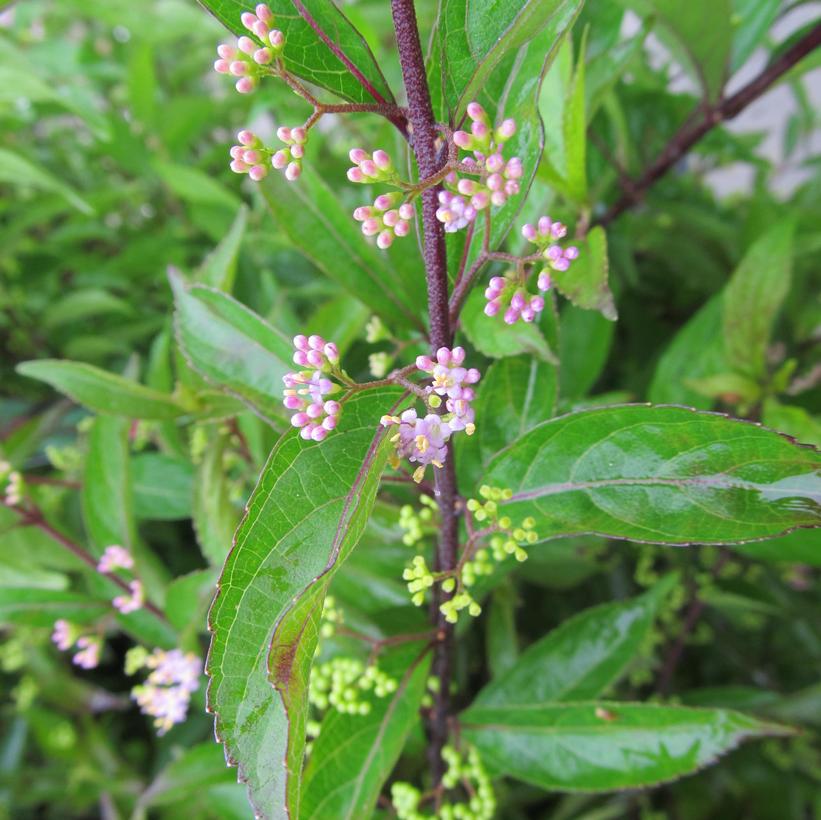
(585, 281)
(753, 298)
(231, 346)
(581, 658)
(666, 475)
(354, 754)
(325, 232)
(103, 392)
(321, 46)
(306, 514)
(605, 746)
(474, 37)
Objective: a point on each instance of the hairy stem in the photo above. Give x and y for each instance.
(695, 129)
(423, 142)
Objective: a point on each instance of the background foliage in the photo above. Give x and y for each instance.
(127, 246)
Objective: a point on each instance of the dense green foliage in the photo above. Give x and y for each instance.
(148, 297)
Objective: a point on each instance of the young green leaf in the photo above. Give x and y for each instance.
(585, 282)
(753, 299)
(321, 46)
(606, 746)
(163, 487)
(666, 475)
(354, 754)
(231, 346)
(306, 514)
(219, 268)
(574, 130)
(103, 392)
(42, 607)
(581, 658)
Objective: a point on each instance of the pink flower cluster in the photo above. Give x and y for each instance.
(249, 60)
(250, 156)
(368, 168)
(384, 219)
(166, 694)
(520, 303)
(115, 557)
(544, 235)
(66, 635)
(306, 390)
(132, 601)
(498, 178)
(423, 440)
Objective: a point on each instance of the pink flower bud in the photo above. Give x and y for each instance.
(457, 355)
(443, 355)
(572, 252)
(381, 160)
(369, 168)
(543, 282)
(258, 172)
(467, 187)
(299, 135)
(544, 225)
(300, 419)
(318, 433)
(260, 29)
(476, 112)
(236, 152)
(511, 315)
(491, 308)
(306, 431)
(246, 137)
(293, 402)
(293, 171)
(479, 130)
(537, 304)
(498, 282)
(362, 213)
(316, 342)
(332, 408)
(406, 211)
(277, 39)
(528, 314)
(495, 163)
(331, 352)
(222, 66)
(498, 198)
(491, 293)
(506, 130)
(391, 218)
(401, 228)
(247, 45)
(480, 201)
(280, 159)
(514, 169)
(558, 230)
(384, 201)
(462, 139)
(518, 300)
(239, 68)
(284, 134)
(245, 85)
(263, 56)
(330, 422)
(226, 52)
(297, 151)
(529, 232)
(424, 363)
(495, 182)
(357, 155)
(355, 175)
(301, 358)
(384, 240)
(301, 342)
(371, 226)
(238, 166)
(314, 411)
(511, 187)
(264, 13)
(251, 157)
(247, 19)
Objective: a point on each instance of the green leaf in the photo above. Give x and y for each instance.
(494, 338)
(574, 130)
(195, 186)
(354, 754)
(101, 391)
(328, 51)
(666, 475)
(187, 599)
(584, 283)
(163, 487)
(699, 33)
(585, 338)
(42, 607)
(83, 304)
(219, 268)
(581, 658)
(231, 346)
(502, 641)
(474, 37)
(753, 299)
(792, 420)
(697, 351)
(799, 547)
(306, 514)
(731, 388)
(751, 21)
(325, 232)
(214, 516)
(595, 747)
(17, 170)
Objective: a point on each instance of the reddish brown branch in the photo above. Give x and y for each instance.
(712, 115)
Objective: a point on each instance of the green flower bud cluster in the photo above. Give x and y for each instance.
(312, 730)
(512, 538)
(417, 524)
(331, 616)
(419, 578)
(463, 770)
(342, 682)
(432, 687)
(376, 331)
(462, 600)
(379, 363)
